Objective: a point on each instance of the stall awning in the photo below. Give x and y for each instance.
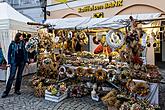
(115, 22)
(120, 21)
(67, 23)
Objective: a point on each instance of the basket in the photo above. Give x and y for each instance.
(50, 97)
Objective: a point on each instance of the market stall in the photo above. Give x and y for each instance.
(116, 75)
(11, 22)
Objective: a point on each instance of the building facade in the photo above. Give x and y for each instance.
(110, 8)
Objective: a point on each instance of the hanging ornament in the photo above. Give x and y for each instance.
(56, 39)
(82, 37)
(31, 45)
(115, 39)
(154, 44)
(70, 34)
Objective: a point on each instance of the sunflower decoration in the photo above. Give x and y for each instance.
(111, 76)
(125, 74)
(141, 89)
(100, 75)
(80, 72)
(89, 73)
(70, 73)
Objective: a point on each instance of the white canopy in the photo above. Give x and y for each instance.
(12, 19)
(88, 22)
(117, 21)
(67, 23)
(11, 22)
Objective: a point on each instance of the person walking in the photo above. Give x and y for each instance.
(17, 59)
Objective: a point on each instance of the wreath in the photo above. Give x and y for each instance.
(62, 70)
(70, 73)
(115, 39)
(83, 38)
(141, 89)
(100, 75)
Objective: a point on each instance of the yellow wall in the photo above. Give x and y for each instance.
(129, 7)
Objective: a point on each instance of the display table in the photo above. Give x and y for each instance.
(31, 68)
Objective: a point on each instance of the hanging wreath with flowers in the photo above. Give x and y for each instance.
(115, 39)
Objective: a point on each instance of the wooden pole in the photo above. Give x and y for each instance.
(38, 24)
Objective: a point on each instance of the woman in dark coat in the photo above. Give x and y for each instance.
(17, 59)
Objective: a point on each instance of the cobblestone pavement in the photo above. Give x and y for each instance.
(162, 92)
(27, 100)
